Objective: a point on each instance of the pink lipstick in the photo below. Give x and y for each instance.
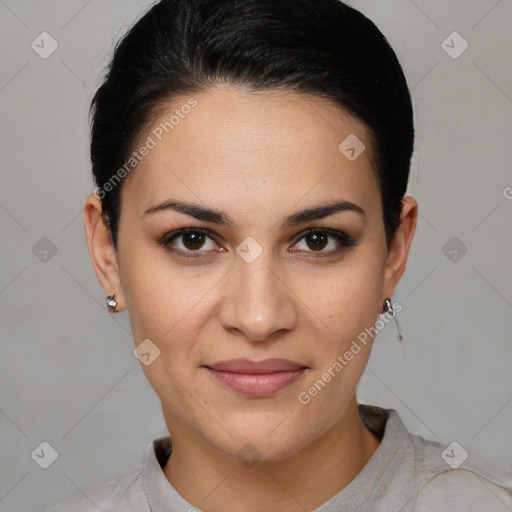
(256, 379)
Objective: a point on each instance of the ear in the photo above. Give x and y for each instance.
(101, 249)
(398, 251)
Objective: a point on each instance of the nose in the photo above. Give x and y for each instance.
(258, 302)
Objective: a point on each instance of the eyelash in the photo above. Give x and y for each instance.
(344, 240)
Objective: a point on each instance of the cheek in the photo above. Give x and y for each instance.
(345, 301)
(161, 297)
(343, 310)
(166, 306)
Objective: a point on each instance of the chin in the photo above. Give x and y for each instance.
(264, 439)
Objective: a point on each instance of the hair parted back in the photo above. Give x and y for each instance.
(319, 47)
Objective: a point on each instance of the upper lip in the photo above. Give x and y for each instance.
(256, 367)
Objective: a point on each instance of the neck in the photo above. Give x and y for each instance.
(209, 479)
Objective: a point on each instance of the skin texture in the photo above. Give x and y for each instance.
(258, 158)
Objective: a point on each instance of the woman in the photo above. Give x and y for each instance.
(252, 159)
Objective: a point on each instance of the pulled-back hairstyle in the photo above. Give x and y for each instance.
(319, 47)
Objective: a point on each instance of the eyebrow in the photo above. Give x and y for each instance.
(211, 215)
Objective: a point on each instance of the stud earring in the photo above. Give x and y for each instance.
(111, 303)
(388, 307)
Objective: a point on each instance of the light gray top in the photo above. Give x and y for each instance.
(407, 473)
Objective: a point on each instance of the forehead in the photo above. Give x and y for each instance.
(233, 145)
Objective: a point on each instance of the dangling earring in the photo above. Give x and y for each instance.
(111, 303)
(388, 308)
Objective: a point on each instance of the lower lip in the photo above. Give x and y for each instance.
(257, 385)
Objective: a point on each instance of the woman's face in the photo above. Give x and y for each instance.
(248, 282)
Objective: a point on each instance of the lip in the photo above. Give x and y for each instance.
(256, 367)
(256, 378)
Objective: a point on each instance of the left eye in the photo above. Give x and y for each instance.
(317, 240)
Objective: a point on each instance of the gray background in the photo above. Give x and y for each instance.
(68, 375)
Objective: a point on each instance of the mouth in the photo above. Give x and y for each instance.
(256, 379)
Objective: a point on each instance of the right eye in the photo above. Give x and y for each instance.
(192, 240)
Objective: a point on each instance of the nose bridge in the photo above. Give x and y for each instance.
(258, 303)
(257, 278)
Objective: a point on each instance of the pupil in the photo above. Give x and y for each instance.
(318, 241)
(193, 240)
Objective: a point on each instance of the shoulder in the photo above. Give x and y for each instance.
(125, 493)
(453, 478)
(434, 476)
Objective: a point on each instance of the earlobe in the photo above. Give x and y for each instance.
(101, 249)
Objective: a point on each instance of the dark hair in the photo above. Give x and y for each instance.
(320, 47)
